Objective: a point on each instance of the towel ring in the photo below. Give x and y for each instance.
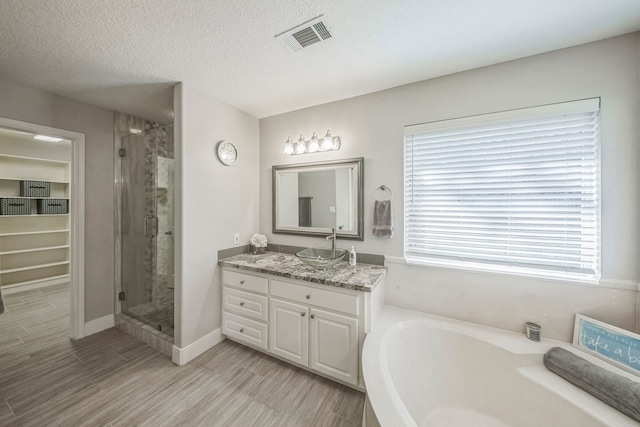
(382, 188)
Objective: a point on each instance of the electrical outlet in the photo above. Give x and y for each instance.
(236, 238)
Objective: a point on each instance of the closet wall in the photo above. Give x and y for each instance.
(34, 248)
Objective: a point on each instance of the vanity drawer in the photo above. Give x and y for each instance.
(246, 330)
(245, 281)
(333, 300)
(245, 303)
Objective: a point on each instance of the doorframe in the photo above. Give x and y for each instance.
(76, 216)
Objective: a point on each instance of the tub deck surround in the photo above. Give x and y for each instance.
(427, 370)
(361, 277)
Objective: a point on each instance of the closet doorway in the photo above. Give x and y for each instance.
(42, 212)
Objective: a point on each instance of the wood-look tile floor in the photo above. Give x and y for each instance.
(112, 379)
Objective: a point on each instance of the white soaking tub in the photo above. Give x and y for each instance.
(430, 371)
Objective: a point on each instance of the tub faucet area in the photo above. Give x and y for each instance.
(333, 238)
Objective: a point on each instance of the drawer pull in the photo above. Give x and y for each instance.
(242, 282)
(241, 330)
(308, 296)
(242, 304)
(313, 316)
(303, 314)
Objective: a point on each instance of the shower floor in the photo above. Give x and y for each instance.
(158, 312)
(155, 316)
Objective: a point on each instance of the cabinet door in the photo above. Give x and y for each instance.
(289, 330)
(334, 345)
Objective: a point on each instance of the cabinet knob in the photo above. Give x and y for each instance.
(242, 304)
(313, 316)
(303, 314)
(241, 330)
(308, 296)
(242, 282)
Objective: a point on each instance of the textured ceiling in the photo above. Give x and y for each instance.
(126, 55)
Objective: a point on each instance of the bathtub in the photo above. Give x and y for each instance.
(430, 371)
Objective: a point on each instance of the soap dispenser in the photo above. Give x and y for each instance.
(352, 256)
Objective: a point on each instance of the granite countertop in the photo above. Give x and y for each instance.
(361, 277)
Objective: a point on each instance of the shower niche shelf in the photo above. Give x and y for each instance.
(34, 249)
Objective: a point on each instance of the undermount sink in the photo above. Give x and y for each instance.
(321, 258)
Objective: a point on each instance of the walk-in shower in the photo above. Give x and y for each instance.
(147, 227)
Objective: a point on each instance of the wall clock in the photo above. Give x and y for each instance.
(227, 153)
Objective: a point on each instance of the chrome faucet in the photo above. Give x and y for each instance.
(333, 238)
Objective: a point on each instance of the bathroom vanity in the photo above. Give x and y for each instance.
(314, 319)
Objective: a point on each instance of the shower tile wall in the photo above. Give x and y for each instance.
(162, 253)
(165, 243)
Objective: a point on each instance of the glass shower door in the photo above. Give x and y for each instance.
(147, 227)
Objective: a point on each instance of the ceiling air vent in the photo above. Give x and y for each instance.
(306, 34)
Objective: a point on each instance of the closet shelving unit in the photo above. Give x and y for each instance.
(34, 249)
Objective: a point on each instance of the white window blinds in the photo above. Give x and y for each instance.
(508, 191)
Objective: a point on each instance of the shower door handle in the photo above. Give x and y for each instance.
(146, 226)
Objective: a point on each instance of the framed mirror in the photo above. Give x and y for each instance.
(311, 198)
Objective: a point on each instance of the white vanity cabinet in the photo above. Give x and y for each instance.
(245, 306)
(315, 326)
(329, 324)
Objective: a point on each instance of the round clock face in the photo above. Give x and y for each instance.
(227, 153)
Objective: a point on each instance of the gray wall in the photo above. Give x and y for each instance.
(372, 126)
(34, 106)
(213, 201)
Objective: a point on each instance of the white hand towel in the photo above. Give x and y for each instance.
(382, 219)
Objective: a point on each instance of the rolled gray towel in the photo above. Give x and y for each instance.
(613, 389)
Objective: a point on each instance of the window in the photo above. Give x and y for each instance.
(515, 191)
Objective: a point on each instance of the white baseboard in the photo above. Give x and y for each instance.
(28, 286)
(99, 324)
(182, 356)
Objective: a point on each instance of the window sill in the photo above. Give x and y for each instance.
(569, 279)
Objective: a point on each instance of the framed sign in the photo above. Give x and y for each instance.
(615, 345)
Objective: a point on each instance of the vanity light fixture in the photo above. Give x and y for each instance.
(328, 143)
(313, 144)
(288, 146)
(301, 147)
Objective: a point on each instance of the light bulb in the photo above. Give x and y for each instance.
(300, 146)
(288, 146)
(313, 144)
(327, 143)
